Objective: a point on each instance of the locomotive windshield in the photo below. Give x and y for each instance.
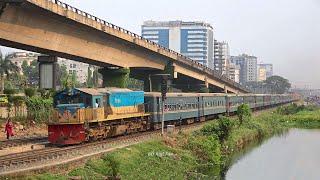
(65, 99)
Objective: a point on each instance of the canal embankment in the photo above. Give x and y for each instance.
(203, 154)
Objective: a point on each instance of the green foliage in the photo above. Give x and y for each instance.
(9, 91)
(31, 72)
(95, 78)
(74, 80)
(113, 163)
(16, 100)
(47, 94)
(30, 92)
(7, 68)
(45, 176)
(62, 75)
(116, 77)
(39, 109)
(89, 78)
(243, 112)
(220, 129)
(70, 82)
(205, 148)
(294, 108)
(307, 118)
(149, 160)
(278, 84)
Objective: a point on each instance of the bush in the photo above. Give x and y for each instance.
(221, 128)
(294, 108)
(39, 109)
(47, 94)
(113, 163)
(29, 92)
(9, 91)
(243, 112)
(206, 148)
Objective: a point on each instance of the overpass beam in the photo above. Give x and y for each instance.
(117, 77)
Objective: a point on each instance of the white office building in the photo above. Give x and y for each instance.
(192, 39)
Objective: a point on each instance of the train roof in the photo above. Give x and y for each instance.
(101, 91)
(157, 94)
(90, 91)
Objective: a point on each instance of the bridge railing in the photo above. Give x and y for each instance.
(181, 57)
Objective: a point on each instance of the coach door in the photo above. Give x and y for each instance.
(200, 108)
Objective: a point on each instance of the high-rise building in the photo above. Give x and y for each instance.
(192, 39)
(221, 57)
(248, 67)
(268, 68)
(262, 73)
(234, 72)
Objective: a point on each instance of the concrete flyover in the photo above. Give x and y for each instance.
(57, 29)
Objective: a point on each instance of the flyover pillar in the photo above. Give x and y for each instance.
(115, 77)
(48, 72)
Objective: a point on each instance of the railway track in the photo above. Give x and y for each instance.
(21, 142)
(53, 156)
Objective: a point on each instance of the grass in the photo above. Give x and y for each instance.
(203, 154)
(302, 119)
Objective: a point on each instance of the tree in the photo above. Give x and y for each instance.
(95, 78)
(74, 80)
(62, 75)
(89, 78)
(243, 112)
(31, 72)
(278, 84)
(6, 69)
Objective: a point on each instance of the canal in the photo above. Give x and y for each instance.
(294, 155)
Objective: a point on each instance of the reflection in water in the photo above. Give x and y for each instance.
(293, 156)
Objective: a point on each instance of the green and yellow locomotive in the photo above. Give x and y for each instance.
(85, 113)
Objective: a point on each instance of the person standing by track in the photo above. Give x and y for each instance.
(9, 129)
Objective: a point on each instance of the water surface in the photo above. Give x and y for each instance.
(292, 156)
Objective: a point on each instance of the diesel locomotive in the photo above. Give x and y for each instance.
(84, 114)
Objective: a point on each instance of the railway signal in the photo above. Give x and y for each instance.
(164, 89)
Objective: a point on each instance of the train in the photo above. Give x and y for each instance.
(87, 114)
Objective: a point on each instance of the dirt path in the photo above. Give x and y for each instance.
(23, 132)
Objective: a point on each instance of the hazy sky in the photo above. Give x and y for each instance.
(283, 32)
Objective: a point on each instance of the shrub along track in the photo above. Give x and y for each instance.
(19, 163)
